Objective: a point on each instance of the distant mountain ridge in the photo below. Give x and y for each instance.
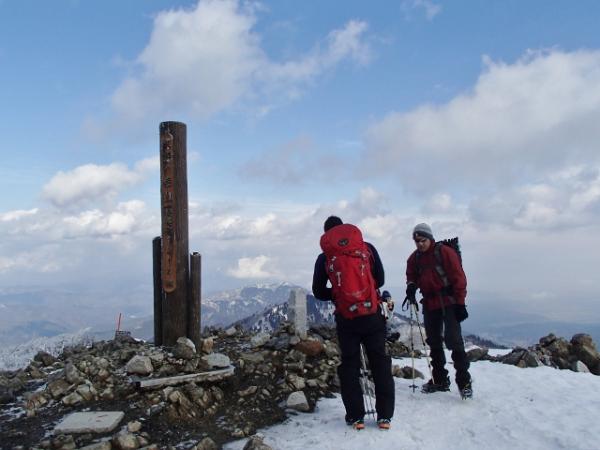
(226, 307)
(30, 313)
(269, 319)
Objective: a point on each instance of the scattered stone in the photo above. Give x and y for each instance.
(579, 366)
(256, 443)
(477, 354)
(297, 400)
(45, 358)
(184, 349)
(406, 372)
(249, 391)
(134, 426)
(259, 340)
(231, 331)
(207, 345)
(585, 351)
(217, 360)
(254, 358)
(140, 365)
(72, 375)
(298, 383)
(206, 444)
(72, 399)
(126, 441)
(89, 422)
(279, 343)
(102, 445)
(86, 391)
(35, 400)
(63, 442)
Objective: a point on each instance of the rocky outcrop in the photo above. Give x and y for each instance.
(579, 354)
(164, 401)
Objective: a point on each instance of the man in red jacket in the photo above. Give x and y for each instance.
(435, 269)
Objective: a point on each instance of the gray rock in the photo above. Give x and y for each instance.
(279, 343)
(530, 359)
(259, 340)
(126, 441)
(297, 401)
(206, 444)
(140, 365)
(477, 354)
(35, 400)
(578, 366)
(217, 360)
(254, 357)
(72, 375)
(102, 445)
(207, 345)
(72, 399)
(256, 443)
(45, 358)
(89, 422)
(134, 426)
(64, 442)
(406, 372)
(547, 340)
(296, 382)
(184, 349)
(232, 331)
(249, 391)
(585, 351)
(58, 388)
(513, 357)
(86, 391)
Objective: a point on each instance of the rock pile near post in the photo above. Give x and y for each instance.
(270, 376)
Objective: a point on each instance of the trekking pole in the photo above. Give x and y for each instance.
(412, 351)
(424, 342)
(366, 384)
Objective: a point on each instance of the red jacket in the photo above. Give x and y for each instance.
(430, 283)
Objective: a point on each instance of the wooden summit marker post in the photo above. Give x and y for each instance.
(176, 294)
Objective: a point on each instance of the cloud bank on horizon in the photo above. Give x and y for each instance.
(507, 160)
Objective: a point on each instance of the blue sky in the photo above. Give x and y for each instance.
(477, 117)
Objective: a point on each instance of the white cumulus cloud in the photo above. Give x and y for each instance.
(251, 268)
(520, 120)
(91, 182)
(208, 58)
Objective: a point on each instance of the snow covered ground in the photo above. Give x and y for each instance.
(512, 408)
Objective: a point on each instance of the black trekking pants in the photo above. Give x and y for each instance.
(441, 326)
(370, 331)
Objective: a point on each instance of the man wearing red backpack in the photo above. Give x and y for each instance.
(436, 270)
(355, 272)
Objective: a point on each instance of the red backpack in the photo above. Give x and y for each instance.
(348, 267)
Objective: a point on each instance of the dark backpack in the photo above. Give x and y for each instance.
(439, 266)
(348, 266)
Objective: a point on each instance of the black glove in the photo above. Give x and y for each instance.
(411, 291)
(411, 299)
(460, 312)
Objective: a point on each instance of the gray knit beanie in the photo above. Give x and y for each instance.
(423, 230)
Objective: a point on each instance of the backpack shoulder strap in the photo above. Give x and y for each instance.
(417, 263)
(439, 265)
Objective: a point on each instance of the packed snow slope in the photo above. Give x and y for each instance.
(512, 408)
